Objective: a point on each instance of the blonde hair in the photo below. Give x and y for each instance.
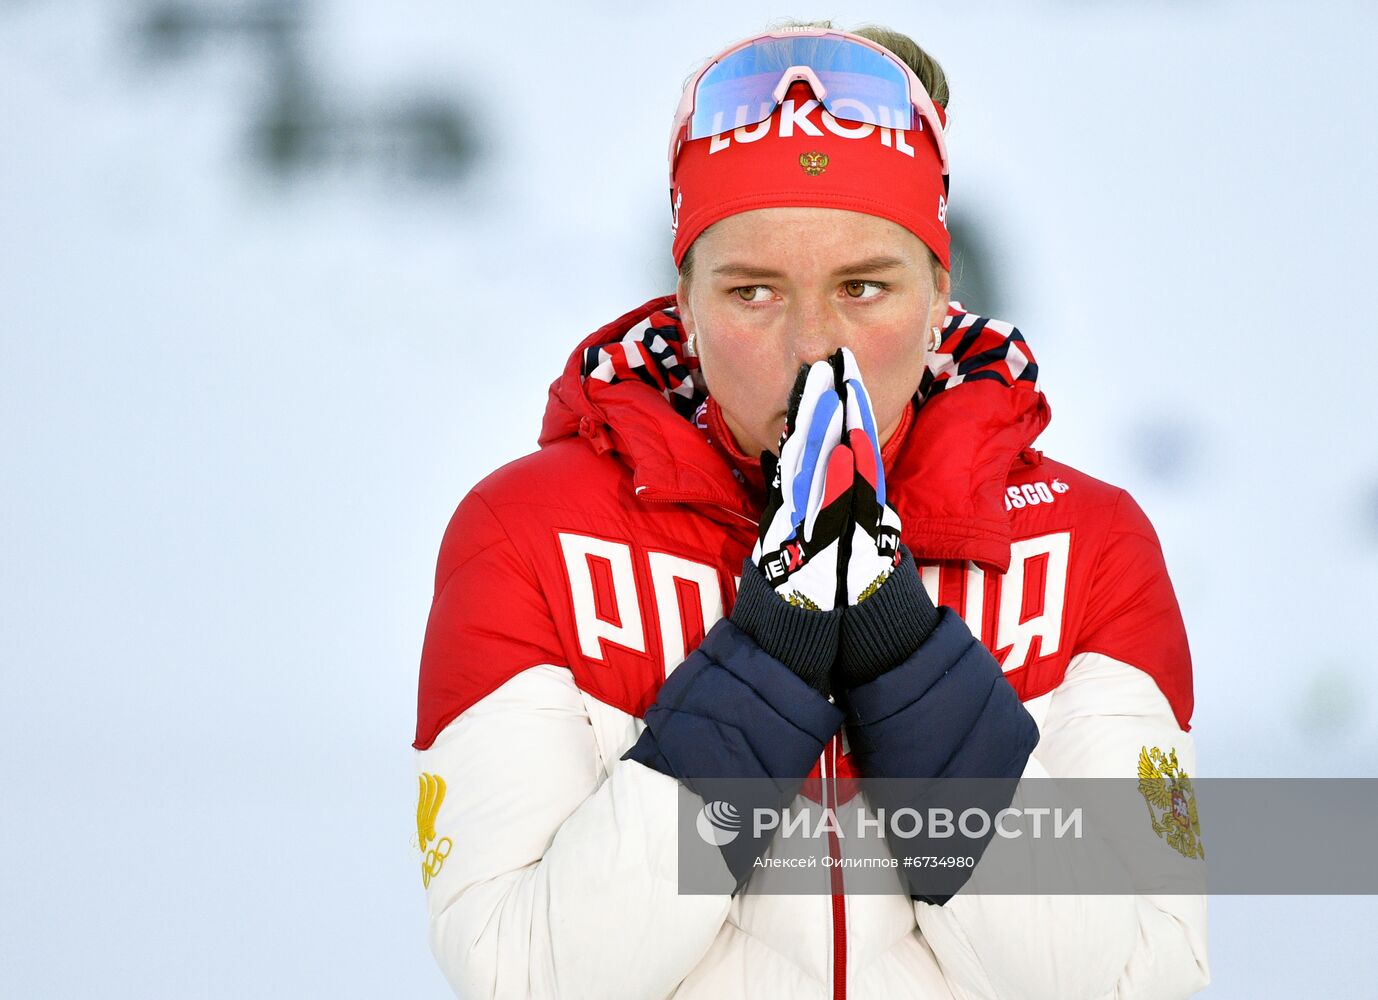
(908, 51)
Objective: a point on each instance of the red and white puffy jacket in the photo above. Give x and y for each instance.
(572, 581)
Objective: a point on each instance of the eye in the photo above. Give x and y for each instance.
(749, 293)
(863, 289)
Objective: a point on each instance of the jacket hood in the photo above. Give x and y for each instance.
(630, 389)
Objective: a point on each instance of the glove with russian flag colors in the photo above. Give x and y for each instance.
(790, 598)
(873, 550)
(807, 505)
(888, 614)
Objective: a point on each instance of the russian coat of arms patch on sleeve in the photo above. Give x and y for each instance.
(1171, 801)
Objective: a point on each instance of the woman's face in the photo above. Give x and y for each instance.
(775, 288)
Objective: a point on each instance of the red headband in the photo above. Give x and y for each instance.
(803, 156)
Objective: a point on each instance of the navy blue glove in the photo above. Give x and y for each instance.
(731, 711)
(945, 713)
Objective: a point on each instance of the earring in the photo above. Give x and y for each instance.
(692, 345)
(936, 339)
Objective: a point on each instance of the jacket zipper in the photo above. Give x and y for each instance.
(839, 899)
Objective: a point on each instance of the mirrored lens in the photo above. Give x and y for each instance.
(863, 85)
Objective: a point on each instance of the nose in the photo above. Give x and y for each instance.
(815, 331)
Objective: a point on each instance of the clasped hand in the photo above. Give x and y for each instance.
(828, 538)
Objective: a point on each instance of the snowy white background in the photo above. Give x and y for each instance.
(237, 409)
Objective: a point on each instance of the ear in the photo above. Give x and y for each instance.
(942, 294)
(686, 312)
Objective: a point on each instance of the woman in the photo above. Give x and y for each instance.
(578, 670)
